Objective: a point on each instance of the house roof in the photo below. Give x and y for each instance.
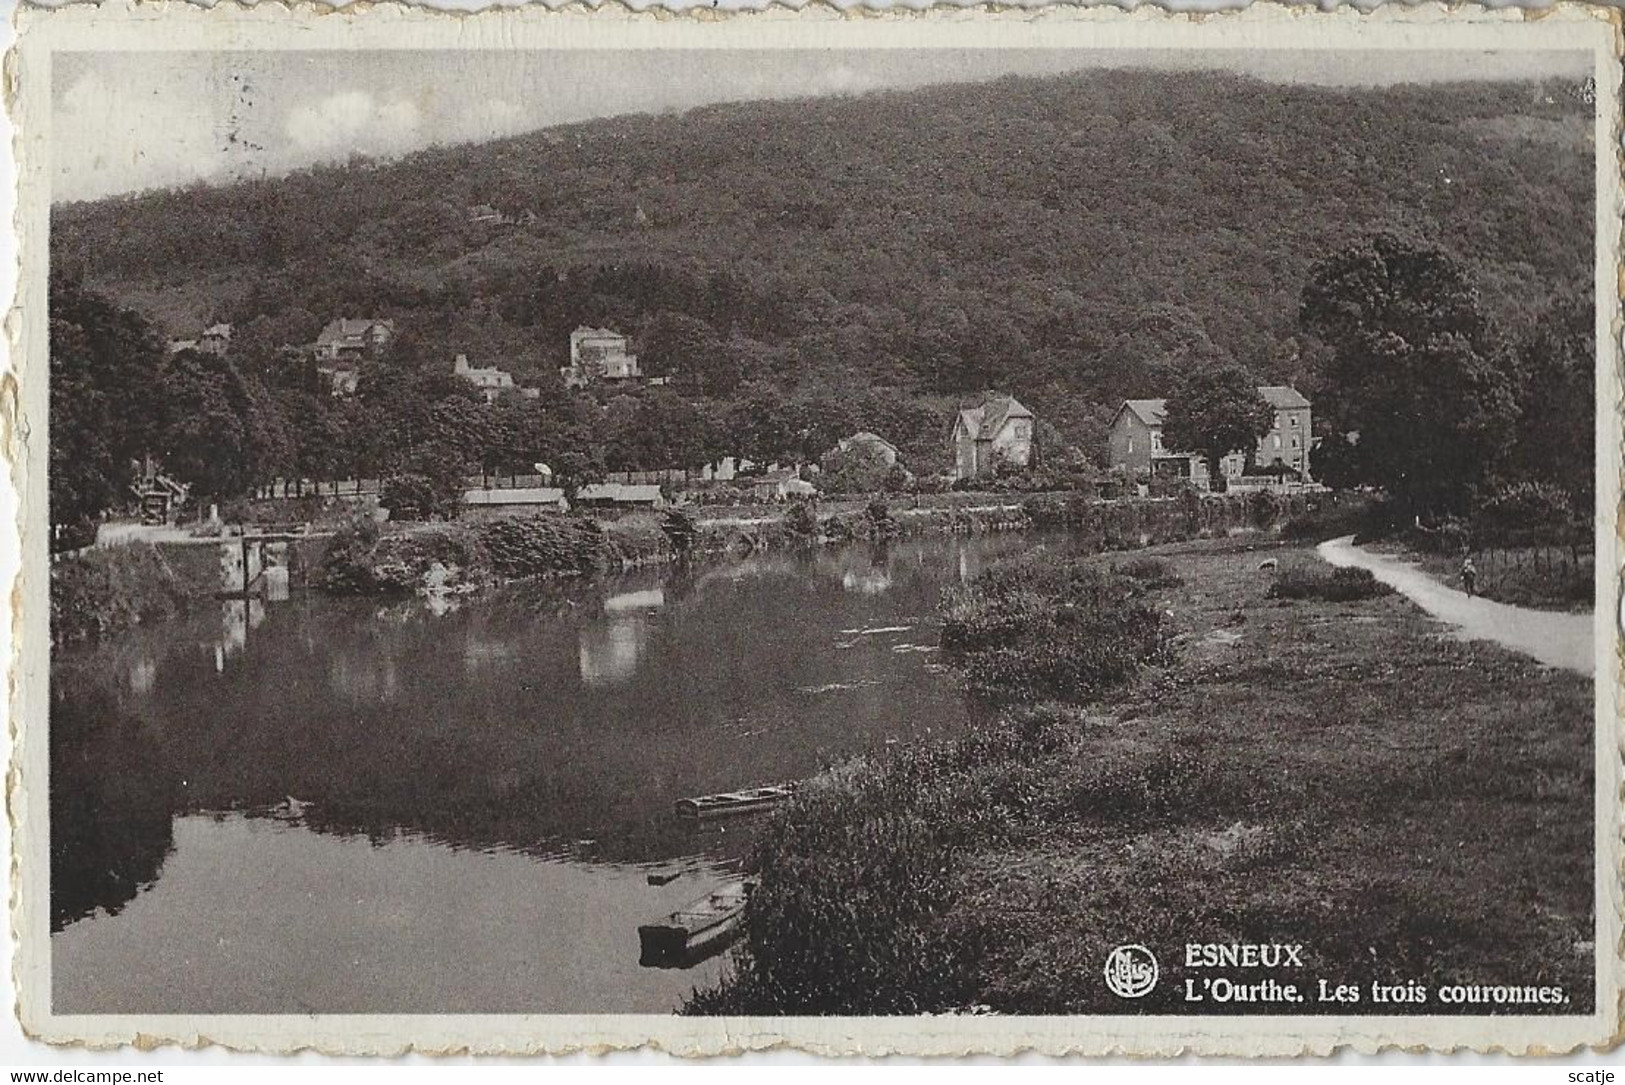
(984, 422)
(619, 491)
(865, 438)
(1150, 411)
(525, 495)
(350, 328)
(1153, 412)
(1282, 397)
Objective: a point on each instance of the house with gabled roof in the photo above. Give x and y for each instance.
(999, 431)
(351, 339)
(871, 443)
(1136, 445)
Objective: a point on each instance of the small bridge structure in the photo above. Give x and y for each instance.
(246, 558)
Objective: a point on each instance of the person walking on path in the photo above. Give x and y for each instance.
(1469, 575)
(1551, 637)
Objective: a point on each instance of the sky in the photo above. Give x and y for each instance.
(123, 122)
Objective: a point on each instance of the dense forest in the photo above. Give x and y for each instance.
(1072, 240)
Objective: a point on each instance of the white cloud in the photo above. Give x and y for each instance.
(353, 120)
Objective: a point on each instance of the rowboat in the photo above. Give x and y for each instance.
(749, 801)
(700, 929)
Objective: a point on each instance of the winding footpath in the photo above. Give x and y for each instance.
(1553, 638)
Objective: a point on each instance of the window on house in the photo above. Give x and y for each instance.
(1294, 421)
(1294, 440)
(1277, 440)
(1131, 444)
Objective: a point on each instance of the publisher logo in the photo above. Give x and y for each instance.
(1131, 971)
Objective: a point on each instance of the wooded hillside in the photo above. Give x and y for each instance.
(1070, 239)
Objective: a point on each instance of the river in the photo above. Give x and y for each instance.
(336, 806)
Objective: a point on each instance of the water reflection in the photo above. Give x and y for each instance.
(237, 617)
(112, 798)
(610, 648)
(549, 724)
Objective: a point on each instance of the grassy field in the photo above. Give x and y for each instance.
(1344, 776)
(1547, 579)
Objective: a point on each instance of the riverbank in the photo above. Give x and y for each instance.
(368, 560)
(105, 591)
(1337, 775)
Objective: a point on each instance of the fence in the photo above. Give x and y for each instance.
(288, 489)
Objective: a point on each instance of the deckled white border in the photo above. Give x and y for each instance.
(123, 26)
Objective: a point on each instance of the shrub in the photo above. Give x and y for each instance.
(881, 524)
(1340, 585)
(1334, 519)
(346, 564)
(1058, 509)
(1169, 486)
(110, 590)
(1034, 629)
(681, 529)
(542, 545)
(802, 521)
(1152, 572)
(859, 469)
(360, 561)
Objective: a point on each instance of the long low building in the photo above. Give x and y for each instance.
(517, 500)
(620, 493)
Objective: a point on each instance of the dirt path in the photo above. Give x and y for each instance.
(1553, 638)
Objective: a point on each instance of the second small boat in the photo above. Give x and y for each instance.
(749, 801)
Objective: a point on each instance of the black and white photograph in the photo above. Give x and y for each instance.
(974, 530)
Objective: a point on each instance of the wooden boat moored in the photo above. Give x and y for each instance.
(749, 801)
(696, 931)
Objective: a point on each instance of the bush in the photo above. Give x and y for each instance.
(1336, 518)
(857, 872)
(1034, 629)
(542, 545)
(681, 529)
(1167, 486)
(1152, 572)
(881, 524)
(1340, 585)
(802, 521)
(360, 561)
(1058, 510)
(346, 564)
(857, 470)
(107, 591)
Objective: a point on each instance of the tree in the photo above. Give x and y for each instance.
(105, 366)
(690, 351)
(1216, 412)
(222, 432)
(1415, 369)
(430, 487)
(1556, 373)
